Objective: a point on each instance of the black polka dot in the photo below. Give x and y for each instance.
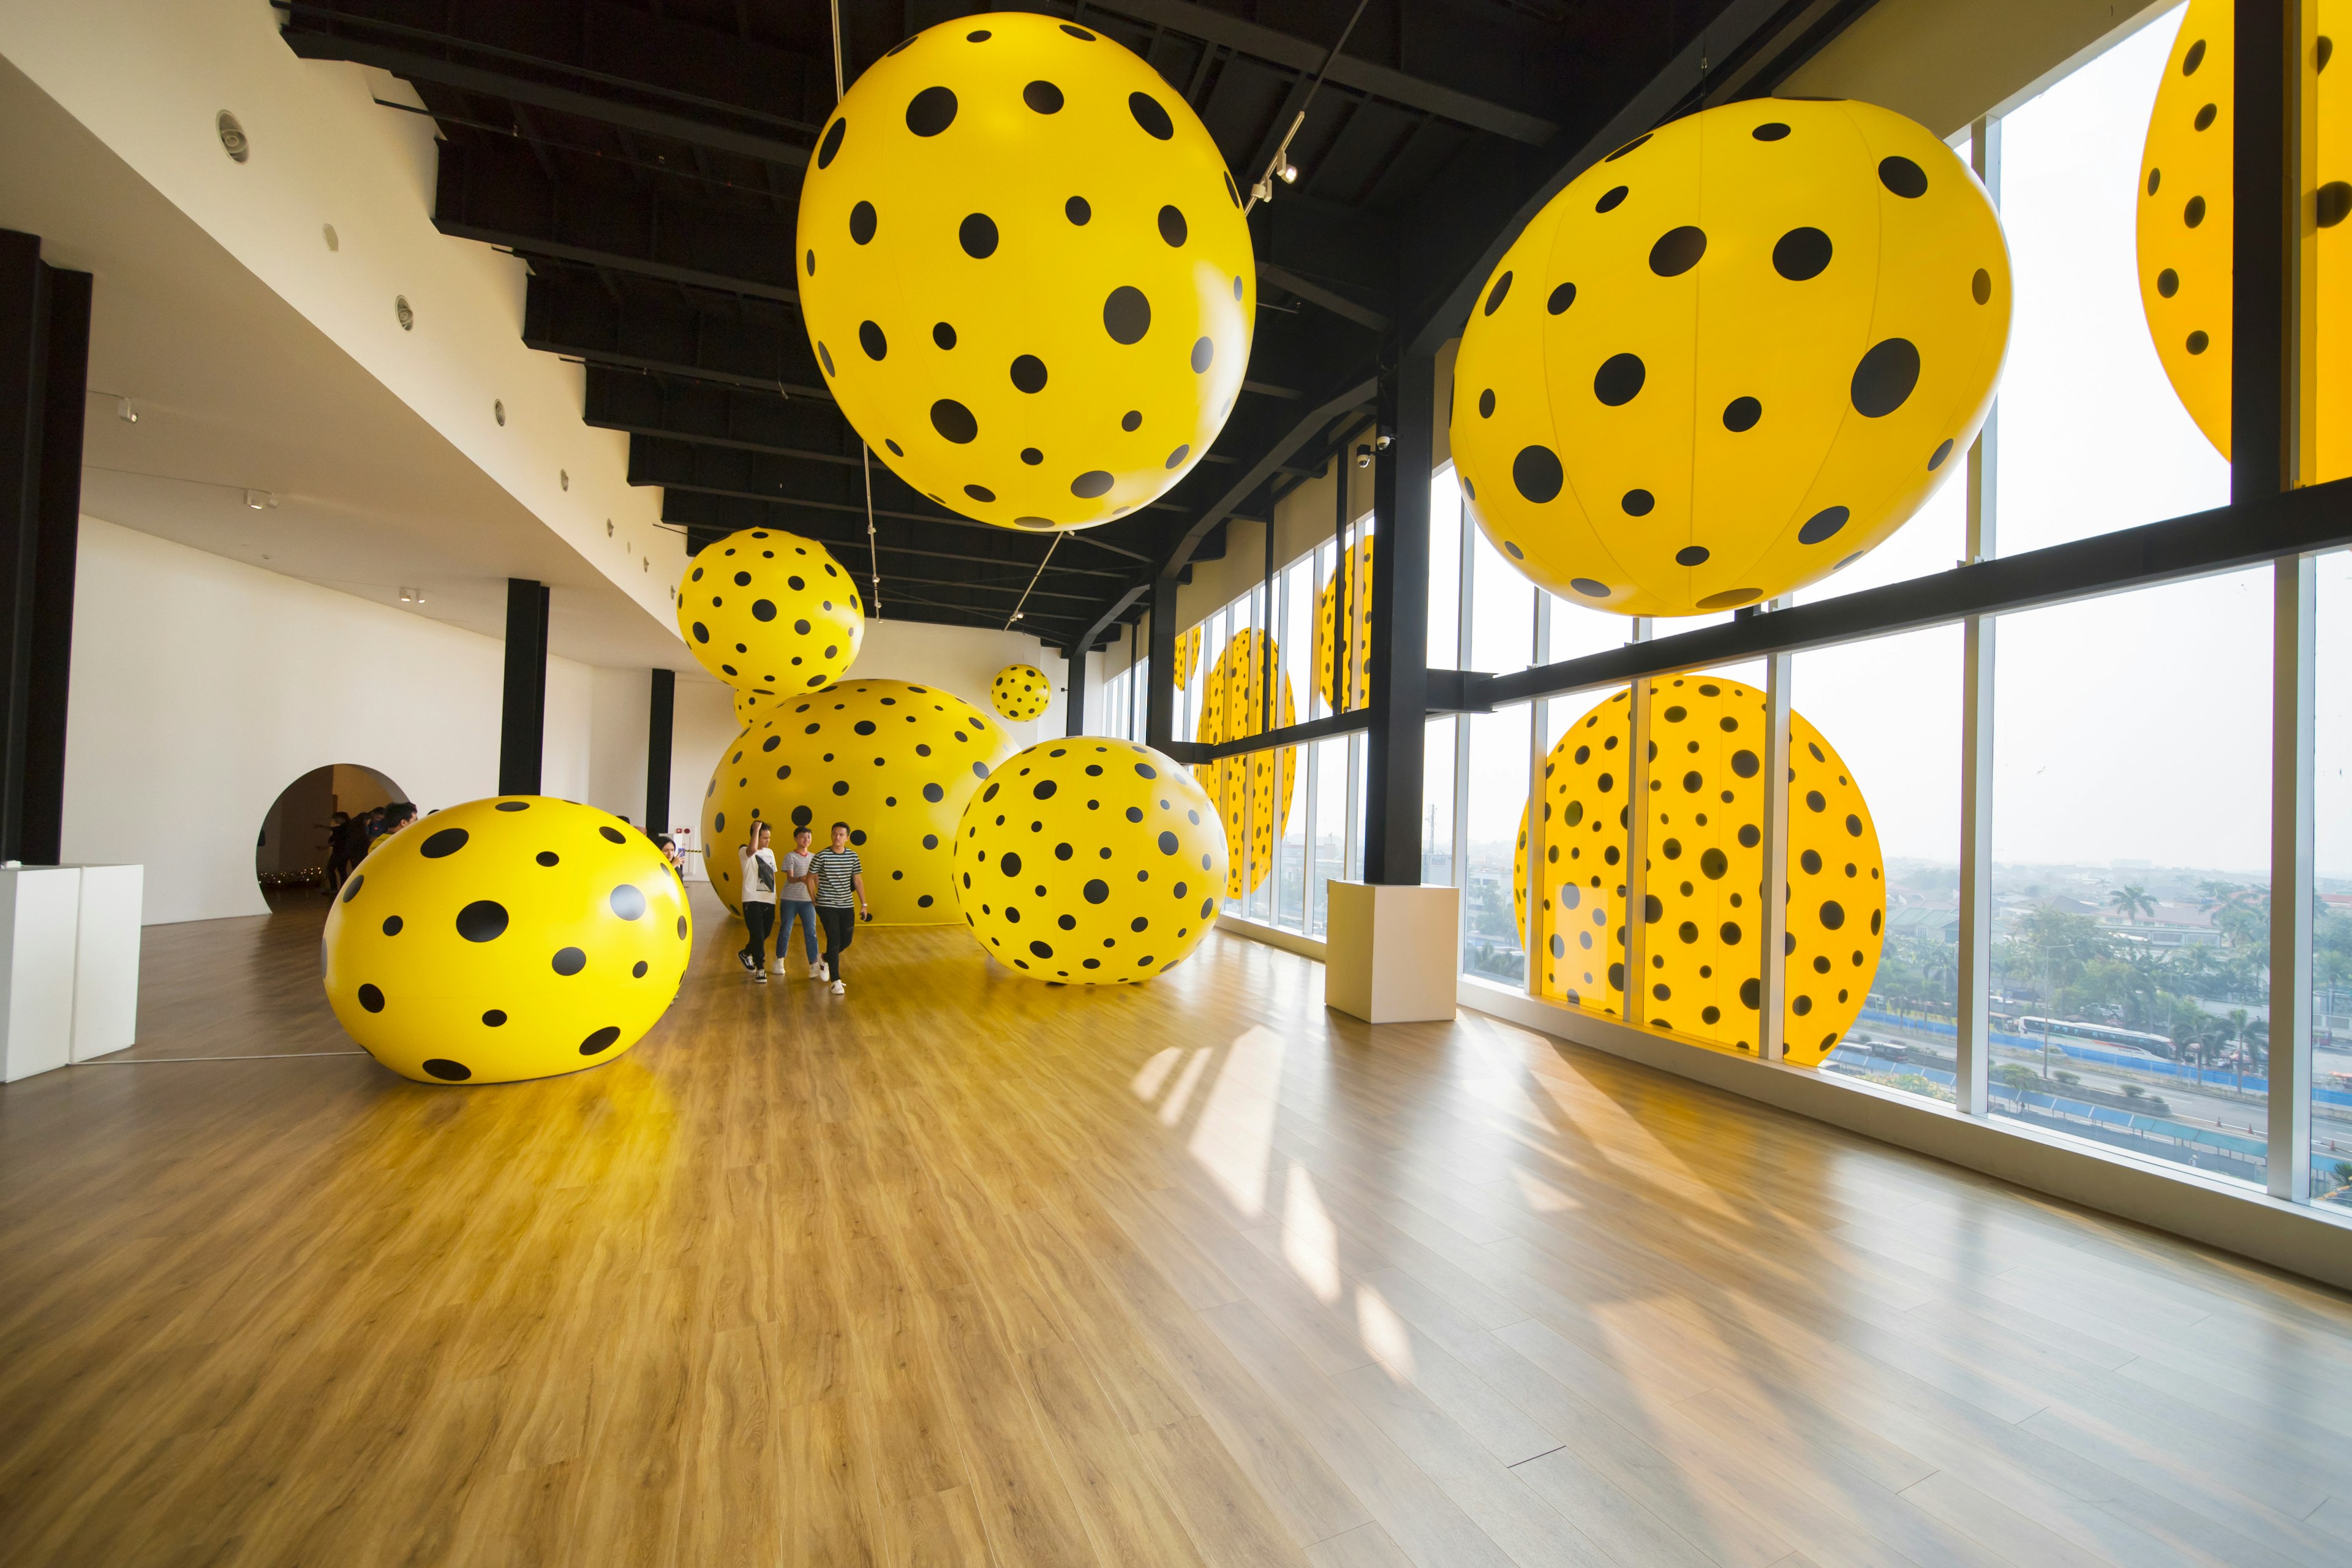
(524, 805)
(1610, 199)
(1691, 555)
(824, 356)
(613, 836)
(482, 921)
(1168, 844)
(1936, 458)
(763, 609)
(1043, 97)
(391, 924)
(2154, 178)
(2193, 59)
(1096, 891)
(980, 492)
(1884, 380)
(2194, 213)
(2168, 283)
(1637, 503)
(933, 793)
(2198, 342)
(1832, 915)
(1149, 114)
(1903, 177)
(955, 421)
(1031, 455)
(638, 969)
(494, 1018)
(1495, 295)
(569, 961)
(1029, 374)
(1770, 130)
(1234, 194)
(1179, 453)
(1618, 379)
(1171, 225)
(977, 235)
(930, 111)
(1823, 524)
(1092, 483)
(1802, 254)
(1077, 210)
(1741, 414)
(862, 223)
(1537, 473)
(628, 902)
(443, 1068)
(448, 841)
(1127, 314)
(1981, 286)
(870, 339)
(1589, 588)
(1677, 251)
(1561, 299)
(370, 998)
(2206, 116)
(827, 150)
(1203, 352)
(601, 1040)
(2335, 203)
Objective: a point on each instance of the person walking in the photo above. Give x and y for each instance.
(796, 904)
(840, 898)
(757, 863)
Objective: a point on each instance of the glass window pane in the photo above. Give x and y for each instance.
(1934, 540)
(1290, 860)
(1502, 612)
(1581, 927)
(1437, 805)
(1577, 629)
(1445, 568)
(2131, 834)
(1491, 946)
(1330, 827)
(2331, 925)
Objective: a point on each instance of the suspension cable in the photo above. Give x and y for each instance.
(1033, 581)
(1264, 190)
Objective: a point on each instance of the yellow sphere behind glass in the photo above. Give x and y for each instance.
(769, 611)
(1020, 692)
(1731, 356)
(1253, 791)
(1025, 272)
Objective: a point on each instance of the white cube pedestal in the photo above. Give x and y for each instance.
(106, 960)
(40, 915)
(1391, 954)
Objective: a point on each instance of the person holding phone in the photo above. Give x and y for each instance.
(840, 898)
(759, 883)
(797, 905)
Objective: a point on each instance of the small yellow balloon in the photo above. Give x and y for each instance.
(1252, 791)
(2186, 220)
(1020, 691)
(1025, 271)
(506, 939)
(769, 612)
(895, 762)
(1359, 628)
(1089, 861)
(1731, 356)
(1705, 866)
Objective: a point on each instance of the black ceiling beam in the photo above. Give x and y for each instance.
(566, 312)
(496, 192)
(974, 542)
(1315, 294)
(712, 416)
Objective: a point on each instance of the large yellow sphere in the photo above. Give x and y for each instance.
(769, 612)
(1090, 861)
(2186, 221)
(1252, 791)
(1025, 271)
(1359, 628)
(1731, 356)
(506, 939)
(1705, 866)
(893, 760)
(1020, 692)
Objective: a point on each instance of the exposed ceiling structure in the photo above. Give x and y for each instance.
(645, 157)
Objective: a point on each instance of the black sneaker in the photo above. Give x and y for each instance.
(743, 956)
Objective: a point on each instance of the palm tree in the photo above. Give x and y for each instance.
(2132, 903)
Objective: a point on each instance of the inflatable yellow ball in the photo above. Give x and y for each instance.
(750, 705)
(1089, 861)
(1705, 864)
(1252, 791)
(1020, 692)
(1025, 271)
(1359, 628)
(506, 939)
(767, 611)
(895, 762)
(1730, 357)
(2185, 222)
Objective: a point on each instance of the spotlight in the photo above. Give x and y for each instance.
(1290, 174)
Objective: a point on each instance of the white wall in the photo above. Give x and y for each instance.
(702, 723)
(964, 660)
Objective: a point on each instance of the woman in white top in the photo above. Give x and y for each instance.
(759, 884)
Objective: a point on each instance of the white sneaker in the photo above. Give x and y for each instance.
(837, 988)
(777, 967)
(822, 971)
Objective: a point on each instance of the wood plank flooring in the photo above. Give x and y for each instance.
(957, 1268)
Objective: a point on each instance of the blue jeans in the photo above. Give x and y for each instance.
(800, 909)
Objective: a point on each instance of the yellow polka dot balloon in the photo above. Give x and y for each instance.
(895, 762)
(1705, 866)
(1251, 793)
(2185, 222)
(1089, 861)
(769, 612)
(1020, 692)
(1359, 628)
(1187, 656)
(750, 705)
(1025, 271)
(506, 939)
(1731, 356)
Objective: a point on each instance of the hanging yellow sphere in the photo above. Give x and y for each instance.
(769, 612)
(1020, 691)
(1731, 356)
(1089, 861)
(1359, 628)
(1025, 271)
(1187, 656)
(1705, 866)
(1252, 791)
(506, 939)
(2185, 225)
(893, 760)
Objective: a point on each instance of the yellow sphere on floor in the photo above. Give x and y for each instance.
(1020, 692)
(769, 611)
(1359, 628)
(1025, 271)
(895, 761)
(1090, 861)
(1252, 791)
(506, 939)
(1705, 864)
(1730, 357)
(2186, 220)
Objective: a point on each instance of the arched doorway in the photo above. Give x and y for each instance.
(291, 857)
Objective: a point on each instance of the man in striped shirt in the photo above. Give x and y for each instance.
(840, 898)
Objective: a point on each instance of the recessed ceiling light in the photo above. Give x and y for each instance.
(328, 231)
(232, 136)
(564, 476)
(499, 411)
(400, 309)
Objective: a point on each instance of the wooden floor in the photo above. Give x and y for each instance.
(958, 1269)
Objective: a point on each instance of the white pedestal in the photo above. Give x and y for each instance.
(1391, 954)
(106, 960)
(39, 914)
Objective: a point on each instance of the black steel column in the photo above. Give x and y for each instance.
(1074, 700)
(1160, 700)
(2267, 203)
(522, 726)
(1400, 622)
(44, 358)
(661, 720)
